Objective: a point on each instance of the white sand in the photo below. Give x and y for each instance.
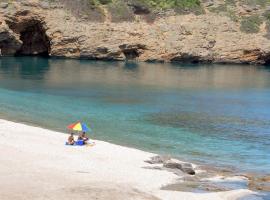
(35, 164)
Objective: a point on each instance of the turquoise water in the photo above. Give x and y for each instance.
(218, 115)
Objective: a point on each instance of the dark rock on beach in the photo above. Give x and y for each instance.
(158, 159)
(172, 164)
(185, 167)
(188, 168)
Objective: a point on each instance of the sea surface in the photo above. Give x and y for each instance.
(210, 114)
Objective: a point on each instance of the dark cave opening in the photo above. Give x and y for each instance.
(267, 60)
(35, 41)
(131, 54)
(5, 48)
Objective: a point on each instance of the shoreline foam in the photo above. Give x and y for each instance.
(35, 164)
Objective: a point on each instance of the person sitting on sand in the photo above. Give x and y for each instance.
(82, 136)
(71, 140)
(85, 138)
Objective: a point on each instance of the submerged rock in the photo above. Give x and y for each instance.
(261, 183)
(211, 184)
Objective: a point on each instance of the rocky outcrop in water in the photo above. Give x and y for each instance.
(32, 27)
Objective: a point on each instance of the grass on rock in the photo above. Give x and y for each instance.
(251, 24)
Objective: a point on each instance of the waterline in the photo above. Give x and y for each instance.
(216, 115)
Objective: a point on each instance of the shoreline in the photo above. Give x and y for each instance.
(36, 163)
(229, 64)
(218, 169)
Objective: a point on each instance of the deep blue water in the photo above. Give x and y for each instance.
(218, 115)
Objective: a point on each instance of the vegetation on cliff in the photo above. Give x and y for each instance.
(125, 10)
(250, 14)
(159, 4)
(220, 31)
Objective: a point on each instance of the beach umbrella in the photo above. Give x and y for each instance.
(78, 126)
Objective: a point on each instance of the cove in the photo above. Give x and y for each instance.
(212, 114)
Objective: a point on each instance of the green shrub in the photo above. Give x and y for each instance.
(187, 6)
(266, 15)
(120, 11)
(88, 9)
(104, 2)
(230, 2)
(219, 9)
(231, 14)
(262, 3)
(187, 3)
(171, 4)
(251, 24)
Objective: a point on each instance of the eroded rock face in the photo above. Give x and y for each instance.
(9, 41)
(28, 28)
(24, 34)
(34, 41)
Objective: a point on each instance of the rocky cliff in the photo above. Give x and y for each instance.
(237, 34)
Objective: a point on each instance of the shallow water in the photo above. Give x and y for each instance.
(218, 115)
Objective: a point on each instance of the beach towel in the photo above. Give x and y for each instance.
(81, 143)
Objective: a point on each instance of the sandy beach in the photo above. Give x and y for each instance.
(35, 164)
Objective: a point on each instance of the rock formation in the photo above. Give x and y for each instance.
(184, 167)
(32, 27)
(172, 164)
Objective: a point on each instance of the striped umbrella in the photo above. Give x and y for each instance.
(78, 126)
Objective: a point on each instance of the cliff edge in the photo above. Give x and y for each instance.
(212, 31)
